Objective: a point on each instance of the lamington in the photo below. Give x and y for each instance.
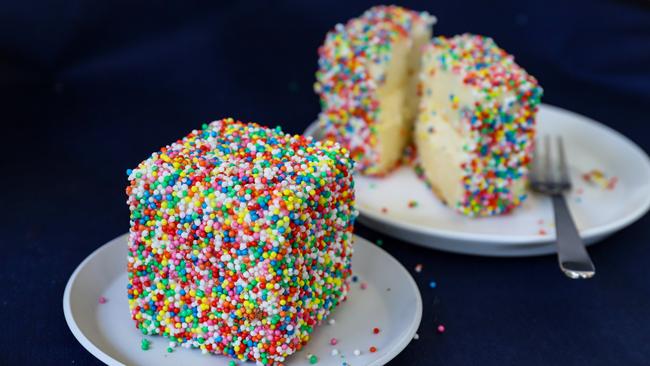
(240, 240)
(367, 82)
(475, 128)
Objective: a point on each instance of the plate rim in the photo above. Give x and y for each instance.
(67, 308)
(415, 325)
(397, 348)
(590, 233)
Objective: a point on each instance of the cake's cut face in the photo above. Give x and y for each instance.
(476, 125)
(367, 83)
(240, 240)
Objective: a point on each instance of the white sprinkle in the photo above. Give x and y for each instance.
(335, 352)
(416, 336)
(357, 352)
(331, 322)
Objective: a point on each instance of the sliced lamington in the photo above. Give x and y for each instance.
(367, 83)
(240, 240)
(476, 125)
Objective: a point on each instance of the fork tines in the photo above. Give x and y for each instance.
(549, 171)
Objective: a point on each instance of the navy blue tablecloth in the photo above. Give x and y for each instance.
(90, 88)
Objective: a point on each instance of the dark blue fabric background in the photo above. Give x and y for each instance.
(90, 88)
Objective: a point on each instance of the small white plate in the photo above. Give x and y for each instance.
(529, 229)
(390, 301)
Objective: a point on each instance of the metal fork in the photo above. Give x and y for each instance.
(552, 179)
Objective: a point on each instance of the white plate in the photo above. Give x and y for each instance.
(529, 229)
(391, 302)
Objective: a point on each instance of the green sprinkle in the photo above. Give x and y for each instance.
(313, 359)
(144, 345)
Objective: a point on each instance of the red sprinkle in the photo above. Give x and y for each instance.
(373, 349)
(375, 330)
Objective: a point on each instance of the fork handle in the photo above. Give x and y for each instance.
(572, 255)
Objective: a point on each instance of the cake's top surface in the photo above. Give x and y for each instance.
(351, 69)
(483, 65)
(244, 154)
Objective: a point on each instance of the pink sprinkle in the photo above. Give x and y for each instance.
(612, 183)
(384, 210)
(334, 341)
(542, 232)
(540, 222)
(441, 328)
(363, 285)
(418, 268)
(102, 300)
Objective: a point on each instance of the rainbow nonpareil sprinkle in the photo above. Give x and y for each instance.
(240, 240)
(598, 178)
(500, 124)
(347, 79)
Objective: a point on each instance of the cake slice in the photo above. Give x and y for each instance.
(240, 240)
(476, 125)
(367, 83)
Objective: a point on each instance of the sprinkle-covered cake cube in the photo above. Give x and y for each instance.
(240, 240)
(476, 125)
(367, 83)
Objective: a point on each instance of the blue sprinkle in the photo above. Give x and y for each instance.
(433, 284)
